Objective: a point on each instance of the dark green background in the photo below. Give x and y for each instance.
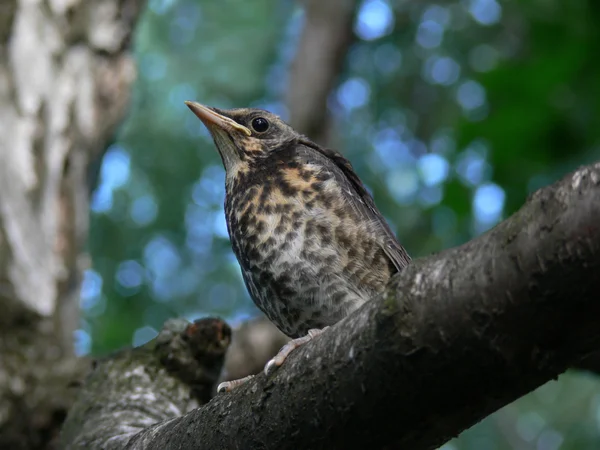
(451, 113)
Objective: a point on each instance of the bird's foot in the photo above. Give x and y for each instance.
(288, 348)
(275, 362)
(228, 386)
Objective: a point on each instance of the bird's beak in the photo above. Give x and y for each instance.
(211, 118)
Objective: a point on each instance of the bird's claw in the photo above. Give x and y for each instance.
(271, 366)
(225, 386)
(228, 386)
(288, 348)
(274, 363)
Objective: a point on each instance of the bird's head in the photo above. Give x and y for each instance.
(243, 135)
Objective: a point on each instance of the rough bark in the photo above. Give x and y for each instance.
(455, 336)
(64, 79)
(169, 376)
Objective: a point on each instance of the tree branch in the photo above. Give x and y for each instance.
(169, 376)
(454, 337)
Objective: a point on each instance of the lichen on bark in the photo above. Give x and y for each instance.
(134, 389)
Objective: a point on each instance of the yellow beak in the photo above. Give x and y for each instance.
(211, 118)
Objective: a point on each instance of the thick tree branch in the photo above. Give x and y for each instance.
(163, 379)
(455, 337)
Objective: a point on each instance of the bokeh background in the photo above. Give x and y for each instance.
(451, 113)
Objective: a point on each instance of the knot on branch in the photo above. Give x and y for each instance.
(194, 352)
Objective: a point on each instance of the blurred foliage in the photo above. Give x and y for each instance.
(451, 113)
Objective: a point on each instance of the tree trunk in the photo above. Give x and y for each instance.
(65, 74)
(324, 43)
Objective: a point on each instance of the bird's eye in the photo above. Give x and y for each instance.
(260, 124)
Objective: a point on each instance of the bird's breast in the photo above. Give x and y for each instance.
(302, 248)
(301, 217)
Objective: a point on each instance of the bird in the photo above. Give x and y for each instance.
(310, 241)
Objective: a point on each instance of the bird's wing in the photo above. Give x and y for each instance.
(358, 196)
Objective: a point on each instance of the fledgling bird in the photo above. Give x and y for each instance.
(310, 241)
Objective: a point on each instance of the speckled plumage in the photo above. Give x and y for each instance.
(310, 241)
(310, 247)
